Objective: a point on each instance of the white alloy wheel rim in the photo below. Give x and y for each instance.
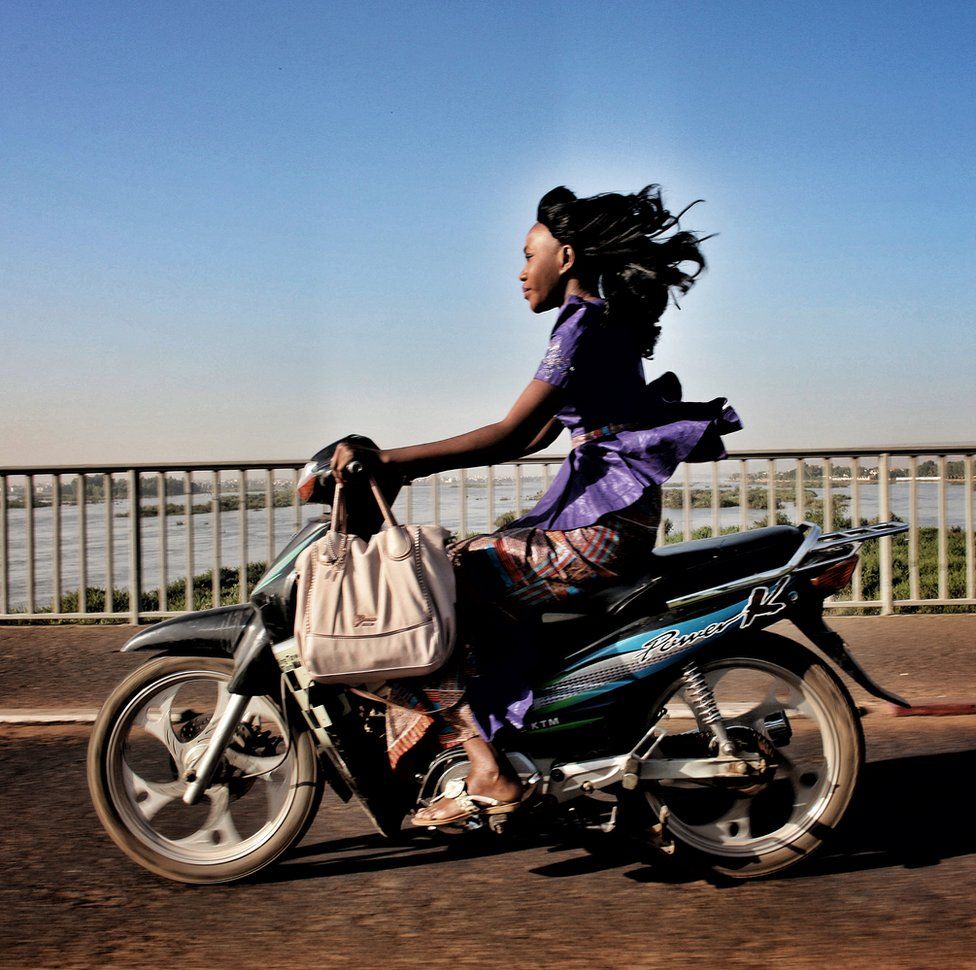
(812, 777)
(207, 833)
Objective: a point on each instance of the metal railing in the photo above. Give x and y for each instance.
(131, 537)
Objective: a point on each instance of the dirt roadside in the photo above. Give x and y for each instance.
(924, 658)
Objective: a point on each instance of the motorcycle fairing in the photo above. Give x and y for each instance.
(278, 571)
(585, 683)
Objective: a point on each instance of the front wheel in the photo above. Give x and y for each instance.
(780, 702)
(153, 729)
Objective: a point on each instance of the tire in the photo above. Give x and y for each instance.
(705, 821)
(132, 740)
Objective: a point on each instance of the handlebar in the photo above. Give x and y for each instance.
(352, 469)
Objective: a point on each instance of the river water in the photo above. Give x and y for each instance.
(286, 523)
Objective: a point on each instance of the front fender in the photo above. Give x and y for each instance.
(208, 632)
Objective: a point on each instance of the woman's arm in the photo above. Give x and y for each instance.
(524, 428)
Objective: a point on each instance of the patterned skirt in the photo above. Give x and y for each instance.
(502, 578)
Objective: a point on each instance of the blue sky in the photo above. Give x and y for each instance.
(240, 230)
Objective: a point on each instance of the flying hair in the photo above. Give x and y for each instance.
(622, 242)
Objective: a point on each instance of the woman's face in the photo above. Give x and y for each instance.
(544, 274)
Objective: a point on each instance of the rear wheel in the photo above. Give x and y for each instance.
(782, 703)
(153, 729)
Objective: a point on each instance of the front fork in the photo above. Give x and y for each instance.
(201, 776)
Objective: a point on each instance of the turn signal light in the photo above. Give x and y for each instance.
(307, 481)
(835, 577)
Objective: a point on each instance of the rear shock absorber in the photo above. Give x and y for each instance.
(704, 706)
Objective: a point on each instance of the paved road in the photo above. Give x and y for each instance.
(898, 892)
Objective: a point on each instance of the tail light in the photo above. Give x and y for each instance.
(835, 577)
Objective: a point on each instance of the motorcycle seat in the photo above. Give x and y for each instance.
(684, 567)
(740, 552)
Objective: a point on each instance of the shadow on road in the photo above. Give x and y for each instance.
(911, 812)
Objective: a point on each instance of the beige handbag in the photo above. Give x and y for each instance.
(372, 611)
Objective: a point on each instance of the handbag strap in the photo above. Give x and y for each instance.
(381, 501)
(337, 527)
(338, 523)
(339, 510)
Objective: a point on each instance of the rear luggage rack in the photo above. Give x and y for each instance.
(844, 537)
(835, 546)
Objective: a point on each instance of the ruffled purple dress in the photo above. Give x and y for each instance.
(627, 435)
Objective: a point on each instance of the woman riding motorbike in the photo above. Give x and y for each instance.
(609, 265)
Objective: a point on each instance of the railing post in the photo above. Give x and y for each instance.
(82, 543)
(296, 507)
(215, 514)
(828, 495)
(163, 543)
(269, 501)
(4, 582)
(801, 491)
(716, 518)
(56, 543)
(743, 495)
(943, 532)
(856, 589)
(29, 523)
(686, 503)
(135, 547)
(970, 552)
(884, 552)
(242, 511)
(491, 498)
(913, 574)
(109, 605)
(188, 503)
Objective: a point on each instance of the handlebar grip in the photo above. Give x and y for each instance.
(353, 468)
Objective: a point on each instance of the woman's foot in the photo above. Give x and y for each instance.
(502, 788)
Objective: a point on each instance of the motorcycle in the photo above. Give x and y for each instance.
(667, 709)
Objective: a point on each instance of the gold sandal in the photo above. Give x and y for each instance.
(469, 805)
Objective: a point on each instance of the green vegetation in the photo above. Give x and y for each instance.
(728, 498)
(507, 518)
(870, 557)
(228, 503)
(176, 594)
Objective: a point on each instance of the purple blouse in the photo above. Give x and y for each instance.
(601, 372)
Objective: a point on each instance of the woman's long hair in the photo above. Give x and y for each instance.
(621, 241)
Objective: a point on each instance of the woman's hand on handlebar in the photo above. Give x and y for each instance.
(346, 453)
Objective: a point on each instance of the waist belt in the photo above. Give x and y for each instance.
(598, 433)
